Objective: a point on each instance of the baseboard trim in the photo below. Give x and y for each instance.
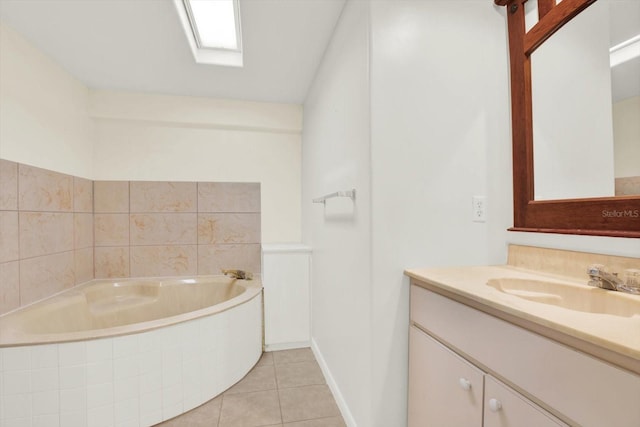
(287, 346)
(333, 386)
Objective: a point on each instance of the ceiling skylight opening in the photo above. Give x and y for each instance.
(212, 28)
(215, 23)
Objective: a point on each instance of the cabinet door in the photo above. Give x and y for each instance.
(444, 389)
(504, 407)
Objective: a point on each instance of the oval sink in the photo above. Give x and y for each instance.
(569, 296)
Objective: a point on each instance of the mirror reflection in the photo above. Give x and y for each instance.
(586, 105)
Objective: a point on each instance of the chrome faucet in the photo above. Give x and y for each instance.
(600, 278)
(238, 274)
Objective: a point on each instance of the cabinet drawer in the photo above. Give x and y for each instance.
(444, 389)
(585, 390)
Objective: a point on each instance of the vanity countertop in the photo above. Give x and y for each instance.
(612, 338)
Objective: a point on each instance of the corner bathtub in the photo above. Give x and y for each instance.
(129, 353)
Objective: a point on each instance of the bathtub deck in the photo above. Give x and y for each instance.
(286, 388)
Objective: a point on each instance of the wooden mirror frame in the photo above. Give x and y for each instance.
(601, 216)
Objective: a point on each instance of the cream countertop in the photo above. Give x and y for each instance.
(612, 338)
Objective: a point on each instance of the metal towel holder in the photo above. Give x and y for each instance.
(346, 193)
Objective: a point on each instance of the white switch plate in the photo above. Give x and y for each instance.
(479, 213)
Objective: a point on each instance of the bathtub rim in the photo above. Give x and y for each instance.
(14, 338)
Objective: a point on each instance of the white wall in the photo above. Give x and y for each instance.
(440, 134)
(51, 120)
(178, 138)
(626, 130)
(43, 120)
(336, 156)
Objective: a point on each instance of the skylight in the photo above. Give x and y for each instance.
(212, 28)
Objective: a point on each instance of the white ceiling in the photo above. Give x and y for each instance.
(139, 45)
(625, 23)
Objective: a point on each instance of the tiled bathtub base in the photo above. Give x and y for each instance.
(133, 380)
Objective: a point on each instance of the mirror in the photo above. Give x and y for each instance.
(591, 207)
(580, 156)
(625, 88)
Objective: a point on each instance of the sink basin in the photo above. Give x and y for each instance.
(570, 296)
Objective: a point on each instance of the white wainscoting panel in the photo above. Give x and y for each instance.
(286, 276)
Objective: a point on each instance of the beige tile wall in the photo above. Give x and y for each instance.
(46, 233)
(175, 228)
(57, 230)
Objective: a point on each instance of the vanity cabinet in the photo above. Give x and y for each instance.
(444, 389)
(463, 361)
(447, 390)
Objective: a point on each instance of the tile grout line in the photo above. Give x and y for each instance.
(275, 374)
(19, 240)
(217, 424)
(129, 224)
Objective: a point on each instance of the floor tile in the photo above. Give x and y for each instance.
(250, 409)
(319, 422)
(299, 374)
(205, 415)
(265, 359)
(260, 378)
(305, 403)
(303, 399)
(293, 356)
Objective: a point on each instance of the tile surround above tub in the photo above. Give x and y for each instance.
(228, 228)
(112, 262)
(44, 233)
(57, 230)
(213, 258)
(84, 265)
(169, 260)
(154, 196)
(228, 197)
(43, 276)
(111, 229)
(83, 230)
(111, 196)
(82, 195)
(42, 190)
(9, 236)
(176, 228)
(8, 185)
(163, 229)
(9, 286)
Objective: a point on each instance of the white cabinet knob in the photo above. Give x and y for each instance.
(495, 405)
(465, 384)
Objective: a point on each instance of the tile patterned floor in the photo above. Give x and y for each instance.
(285, 389)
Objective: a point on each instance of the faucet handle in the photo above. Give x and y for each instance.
(632, 281)
(596, 269)
(238, 274)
